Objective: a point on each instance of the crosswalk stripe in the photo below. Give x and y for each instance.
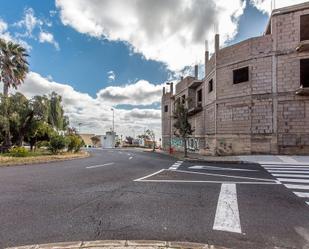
(291, 175)
(302, 194)
(287, 159)
(285, 164)
(290, 171)
(292, 180)
(288, 167)
(294, 186)
(176, 165)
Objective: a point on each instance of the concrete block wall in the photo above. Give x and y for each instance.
(224, 84)
(234, 117)
(261, 75)
(210, 121)
(238, 52)
(262, 115)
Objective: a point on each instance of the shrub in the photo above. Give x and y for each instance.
(42, 144)
(57, 143)
(18, 152)
(75, 142)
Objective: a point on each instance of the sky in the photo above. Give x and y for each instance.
(103, 54)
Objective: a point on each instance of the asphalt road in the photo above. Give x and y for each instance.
(130, 194)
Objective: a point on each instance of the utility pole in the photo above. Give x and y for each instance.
(113, 119)
(170, 116)
(79, 125)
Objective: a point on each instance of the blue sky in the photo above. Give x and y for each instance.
(103, 55)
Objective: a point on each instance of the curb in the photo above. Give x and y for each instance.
(203, 160)
(127, 244)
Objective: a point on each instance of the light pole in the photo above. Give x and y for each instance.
(79, 125)
(170, 116)
(113, 119)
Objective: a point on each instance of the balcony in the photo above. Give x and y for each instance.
(195, 84)
(302, 91)
(196, 109)
(303, 46)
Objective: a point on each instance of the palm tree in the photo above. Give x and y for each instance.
(13, 71)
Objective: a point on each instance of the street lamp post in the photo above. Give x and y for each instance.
(113, 119)
(171, 93)
(79, 125)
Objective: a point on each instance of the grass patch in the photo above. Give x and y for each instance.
(39, 156)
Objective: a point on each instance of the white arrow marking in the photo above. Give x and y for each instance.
(227, 214)
(219, 168)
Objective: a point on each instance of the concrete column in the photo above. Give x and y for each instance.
(172, 88)
(217, 42)
(274, 143)
(206, 61)
(196, 72)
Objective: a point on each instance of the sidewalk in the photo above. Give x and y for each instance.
(121, 244)
(280, 159)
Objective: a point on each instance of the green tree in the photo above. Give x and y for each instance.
(75, 142)
(13, 71)
(39, 131)
(56, 113)
(20, 117)
(129, 140)
(95, 140)
(57, 143)
(28, 119)
(182, 125)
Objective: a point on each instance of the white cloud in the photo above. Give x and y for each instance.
(30, 22)
(6, 35)
(3, 26)
(111, 76)
(95, 113)
(266, 5)
(140, 93)
(49, 38)
(171, 31)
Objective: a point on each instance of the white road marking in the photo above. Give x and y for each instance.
(130, 157)
(287, 159)
(216, 182)
(176, 165)
(284, 164)
(227, 214)
(220, 175)
(294, 186)
(291, 175)
(142, 178)
(292, 180)
(219, 168)
(98, 166)
(287, 168)
(302, 194)
(307, 202)
(290, 171)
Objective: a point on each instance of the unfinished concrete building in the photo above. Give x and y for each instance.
(254, 97)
